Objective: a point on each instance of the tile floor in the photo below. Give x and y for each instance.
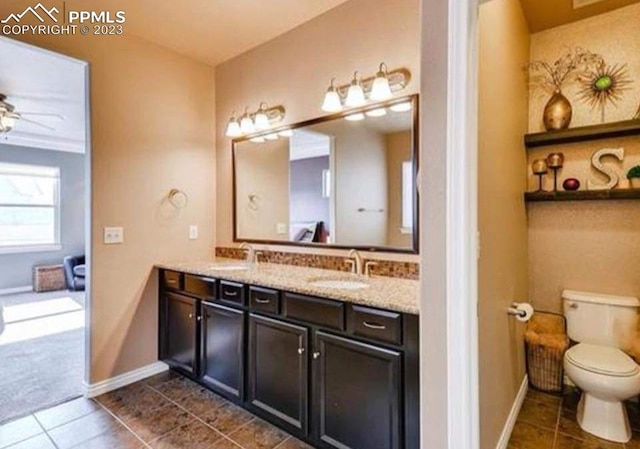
(167, 411)
(549, 422)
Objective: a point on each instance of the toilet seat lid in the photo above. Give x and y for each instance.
(602, 360)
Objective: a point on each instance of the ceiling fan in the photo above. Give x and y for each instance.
(9, 116)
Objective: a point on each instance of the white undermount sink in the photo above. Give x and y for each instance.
(340, 284)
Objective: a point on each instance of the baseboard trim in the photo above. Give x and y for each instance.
(16, 290)
(105, 386)
(503, 442)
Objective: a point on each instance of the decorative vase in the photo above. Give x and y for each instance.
(571, 184)
(635, 183)
(557, 112)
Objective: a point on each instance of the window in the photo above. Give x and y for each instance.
(407, 197)
(29, 208)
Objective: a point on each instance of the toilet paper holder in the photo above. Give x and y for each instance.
(523, 311)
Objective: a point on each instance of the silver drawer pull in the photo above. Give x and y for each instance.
(316, 355)
(230, 293)
(376, 326)
(300, 351)
(191, 315)
(263, 301)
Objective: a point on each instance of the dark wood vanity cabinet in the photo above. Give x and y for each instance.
(222, 354)
(180, 342)
(278, 371)
(357, 394)
(337, 375)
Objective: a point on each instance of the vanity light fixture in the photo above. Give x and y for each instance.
(401, 107)
(259, 139)
(246, 123)
(273, 136)
(380, 87)
(286, 133)
(332, 101)
(233, 128)
(261, 120)
(380, 112)
(355, 94)
(355, 117)
(381, 90)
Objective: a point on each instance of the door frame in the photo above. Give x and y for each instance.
(87, 194)
(449, 394)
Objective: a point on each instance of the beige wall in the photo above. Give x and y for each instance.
(504, 50)
(398, 151)
(263, 170)
(614, 36)
(295, 69)
(591, 246)
(152, 114)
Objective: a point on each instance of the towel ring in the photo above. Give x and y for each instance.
(178, 198)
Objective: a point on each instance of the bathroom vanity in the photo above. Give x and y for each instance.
(330, 357)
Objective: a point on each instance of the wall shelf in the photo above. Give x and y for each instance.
(583, 195)
(583, 134)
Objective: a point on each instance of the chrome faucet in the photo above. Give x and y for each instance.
(356, 262)
(250, 251)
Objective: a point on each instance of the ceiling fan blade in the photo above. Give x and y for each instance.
(22, 119)
(44, 114)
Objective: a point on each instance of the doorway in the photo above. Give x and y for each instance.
(44, 216)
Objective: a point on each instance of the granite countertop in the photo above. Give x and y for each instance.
(400, 295)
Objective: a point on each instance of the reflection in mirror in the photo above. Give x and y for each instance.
(337, 182)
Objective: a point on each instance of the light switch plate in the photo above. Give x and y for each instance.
(113, 235)
(281, 228)
(193, 232)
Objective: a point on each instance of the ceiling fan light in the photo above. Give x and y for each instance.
(246, 125)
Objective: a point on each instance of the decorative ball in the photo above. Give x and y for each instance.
(571, 184)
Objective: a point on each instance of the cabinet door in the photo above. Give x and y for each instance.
(278, 372)
(180, 332)
(357, 394)
(223, 349)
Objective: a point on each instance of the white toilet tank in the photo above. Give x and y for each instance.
(600, 319)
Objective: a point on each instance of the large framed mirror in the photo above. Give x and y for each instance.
(342, 181)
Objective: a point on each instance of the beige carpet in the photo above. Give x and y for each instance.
(41, 351)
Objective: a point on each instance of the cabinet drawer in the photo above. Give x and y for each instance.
(264, 300)
(232, 292)
(202, 287)
(375, 324)
(172, 280)
(323, 312)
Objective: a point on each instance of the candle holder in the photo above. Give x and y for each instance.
(540, 168)
(555, 161)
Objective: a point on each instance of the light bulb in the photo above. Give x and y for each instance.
(273, 136)
(262, 120)
(401, 107)
(332, 101)
(381, 90)
(233, 128)
(286, 133)
(376, 112)
(246, 124)
(355, 117)
(355, 94)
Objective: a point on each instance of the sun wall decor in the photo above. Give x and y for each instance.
(604, 85)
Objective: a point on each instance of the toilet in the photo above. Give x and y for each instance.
(601, 325)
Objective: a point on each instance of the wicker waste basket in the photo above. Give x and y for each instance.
(546, 341)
